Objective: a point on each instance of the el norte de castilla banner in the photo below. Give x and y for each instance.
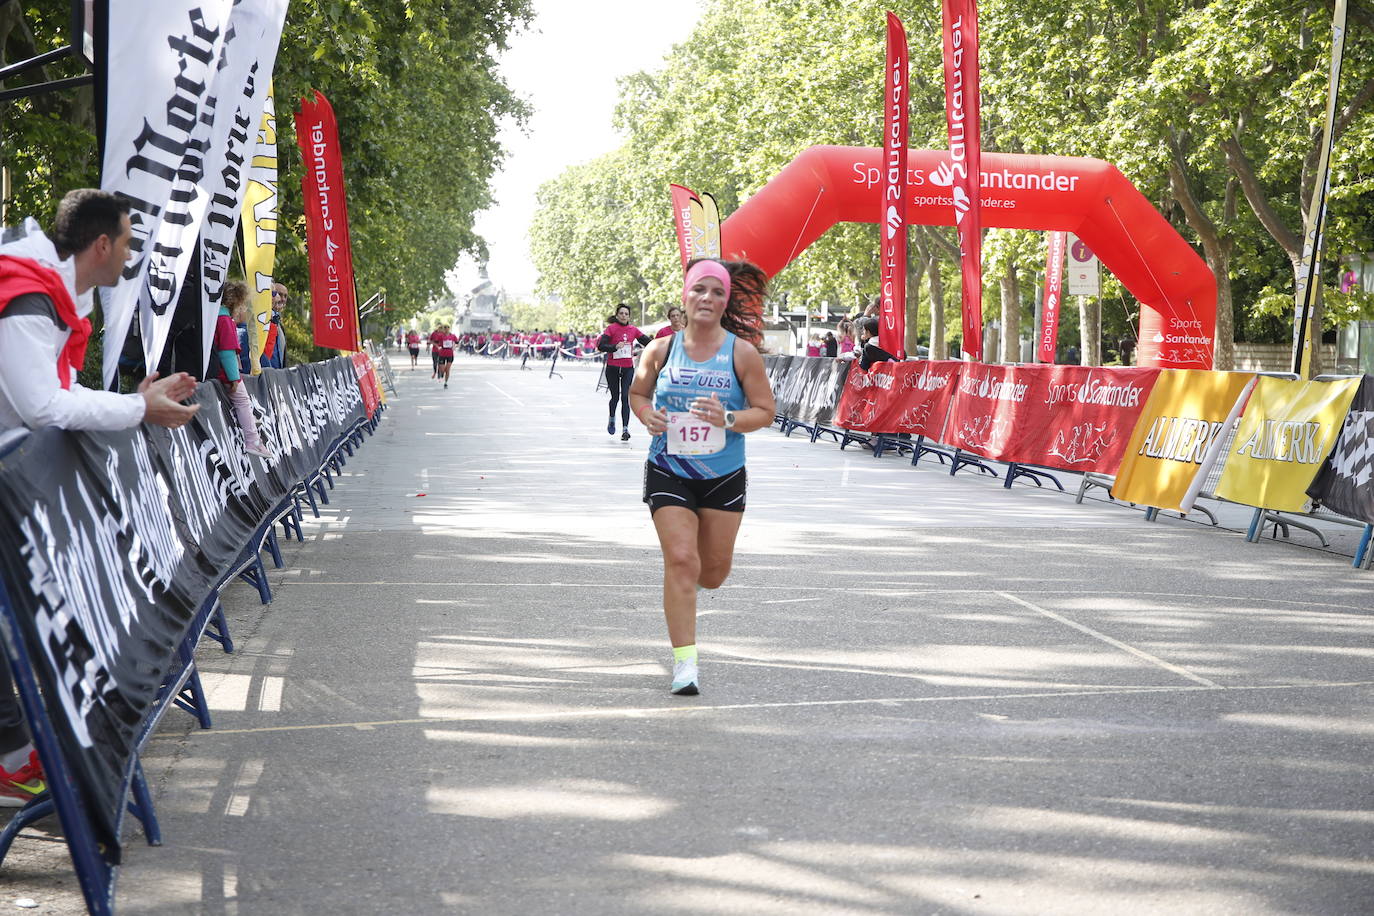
(116, 540)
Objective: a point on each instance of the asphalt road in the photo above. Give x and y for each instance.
(920, 694)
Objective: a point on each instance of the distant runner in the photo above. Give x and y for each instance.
(445, 344)
(413, 343)
(618, 343)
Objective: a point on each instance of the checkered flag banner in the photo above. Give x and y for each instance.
(1343, 484)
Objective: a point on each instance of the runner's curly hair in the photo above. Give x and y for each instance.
(743, 315)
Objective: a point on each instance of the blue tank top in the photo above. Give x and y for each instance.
(683, 380)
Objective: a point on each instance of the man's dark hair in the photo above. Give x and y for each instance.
(83, 216)
(868, 323)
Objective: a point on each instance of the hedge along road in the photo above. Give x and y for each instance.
(919, 694)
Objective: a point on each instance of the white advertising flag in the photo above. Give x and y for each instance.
(160, 91)
(246, 72)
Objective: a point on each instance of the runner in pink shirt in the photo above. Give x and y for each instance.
(618, 342)
(676, 322)
(444, 343)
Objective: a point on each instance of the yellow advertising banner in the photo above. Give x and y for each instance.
(1285, 434)
(1185, 412)
(260, 230)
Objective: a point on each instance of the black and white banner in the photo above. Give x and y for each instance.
(116, 541)
(807, 389)
(250, 51)
(1345, 483)
(180, 77)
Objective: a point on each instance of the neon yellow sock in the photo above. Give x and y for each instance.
(685, 653)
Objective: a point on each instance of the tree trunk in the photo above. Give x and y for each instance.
(1011, 314)
(913, 309)
(1216, 251)
(1090, 331)
(938, 348)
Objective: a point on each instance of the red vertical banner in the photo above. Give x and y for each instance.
(1054, 296)
(682, 221)
(965, 155)
(892, 230)
(333, 300)
(367, 383)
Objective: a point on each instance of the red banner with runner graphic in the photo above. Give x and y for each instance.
(910, 397)
(965, 154)
(1054, 296)
(333, 299)
(892, 231)
(367, 382)
(1089, 415)
(1074, 417)
(989, 404)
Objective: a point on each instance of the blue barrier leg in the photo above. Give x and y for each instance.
(192, 695)
(218, 628)
(1151, 513)
(1363, 548)
(34, 811)
(291, 521)
(256, 576)
(1253, 534)
(310, 495)
(319, 488)
(142, 806)
(273, 548)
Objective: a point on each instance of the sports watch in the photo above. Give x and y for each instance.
(729, 419)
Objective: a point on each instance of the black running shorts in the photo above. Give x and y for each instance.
(445, 360)
(664, 489)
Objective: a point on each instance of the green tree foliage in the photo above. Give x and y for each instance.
(1213, 109)
(414, 85)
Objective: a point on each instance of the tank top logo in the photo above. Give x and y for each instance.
(699, 378)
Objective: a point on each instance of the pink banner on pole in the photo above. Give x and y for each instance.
(965, 154)
(892, 231)
(682, 221)
(1054, 296)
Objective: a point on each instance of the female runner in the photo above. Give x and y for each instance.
(697, 392)
(618, 342)
(676, 322)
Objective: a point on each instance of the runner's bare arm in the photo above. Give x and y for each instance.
(753, 378)
(646, 378)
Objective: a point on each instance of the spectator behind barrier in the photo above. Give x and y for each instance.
(868, 351)
(274, 347)
(45, 296)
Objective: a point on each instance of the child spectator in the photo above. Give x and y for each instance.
(235, 308)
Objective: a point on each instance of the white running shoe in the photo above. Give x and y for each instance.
(685, 678)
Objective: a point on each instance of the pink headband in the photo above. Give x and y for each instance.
(706, 268)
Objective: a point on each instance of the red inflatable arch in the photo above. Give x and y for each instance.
(826, 185)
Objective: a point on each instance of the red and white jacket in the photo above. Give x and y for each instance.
(41, 353)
